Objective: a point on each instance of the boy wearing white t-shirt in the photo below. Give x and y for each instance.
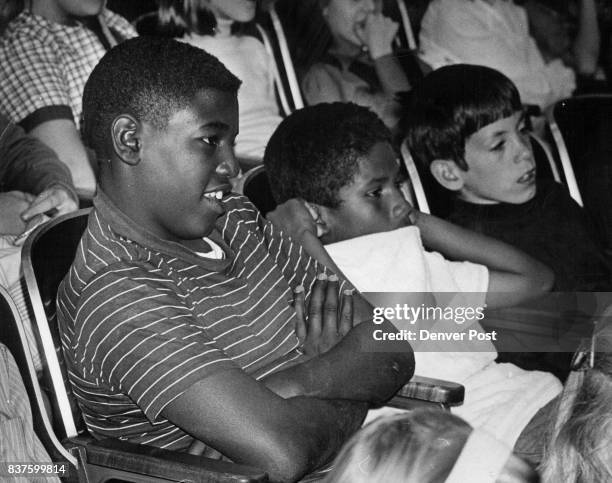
(339, 159)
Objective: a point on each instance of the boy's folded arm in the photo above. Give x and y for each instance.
(248, 423)
(514, 275)
(357, 368)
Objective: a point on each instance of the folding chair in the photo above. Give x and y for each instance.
(581, 128)
(580, 125)
(573, 123)
(47, 255)
(287, 83)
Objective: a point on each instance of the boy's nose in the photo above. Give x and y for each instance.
(524, 149)
(401, 208)
(229, 165)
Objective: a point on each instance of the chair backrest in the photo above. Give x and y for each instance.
(13, 336)
(415, 179)
(406, 27)
(46, 257)
(256, 187)
(581, 128)
(286, 80)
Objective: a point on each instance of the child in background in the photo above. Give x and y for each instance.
(496, 33)
(466, 124)
(214, 25)
(47, 51)
(339, 159)
(582, 436)
(359, 65)
(426, 446)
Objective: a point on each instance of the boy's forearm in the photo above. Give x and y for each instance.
(514, 274)
(324, 426)
(458, 243)
(391, 75)
(355, 369)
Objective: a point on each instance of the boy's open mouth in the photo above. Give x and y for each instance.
(528, 177)
(217, 193)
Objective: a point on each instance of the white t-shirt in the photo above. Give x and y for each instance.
(494, 34)
(246, 58)
(500, 398)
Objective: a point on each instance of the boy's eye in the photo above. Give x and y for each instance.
(374, 193)
(499, 146)
(211, 140)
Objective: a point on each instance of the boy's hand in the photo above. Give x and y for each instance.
(12, 204)
(294, 218)
(377, 33)
(54, 199)
(324, 325)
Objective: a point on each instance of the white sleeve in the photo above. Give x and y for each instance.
(391, 261)
(447, 276)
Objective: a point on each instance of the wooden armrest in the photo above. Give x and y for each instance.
(425, 390)
(153, 462)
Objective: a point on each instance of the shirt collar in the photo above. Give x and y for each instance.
(125, 227)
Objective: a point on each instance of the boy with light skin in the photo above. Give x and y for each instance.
(466, 124)
(359, 65)
(339, 160)
(175, 310)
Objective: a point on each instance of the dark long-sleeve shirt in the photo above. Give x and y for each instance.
(551, 228)
(27, 164)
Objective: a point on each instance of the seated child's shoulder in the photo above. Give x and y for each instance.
(240, 211)
(555, 195)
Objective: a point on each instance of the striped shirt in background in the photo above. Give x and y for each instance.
(143, 319)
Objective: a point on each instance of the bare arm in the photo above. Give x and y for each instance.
(251, 425)
(514, 276)
(61, 136)
(353, 369)
(378, 33)
(586, 44)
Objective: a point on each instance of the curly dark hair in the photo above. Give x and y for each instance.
(315, 151)
(149, 78)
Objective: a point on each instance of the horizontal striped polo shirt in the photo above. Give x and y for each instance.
(142, 319)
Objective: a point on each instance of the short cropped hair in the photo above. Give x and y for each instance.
(452, 103)
(314, 152)
(149, 78)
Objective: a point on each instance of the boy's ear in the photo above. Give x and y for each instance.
(126, 142)
(321, 216)
(447, 173)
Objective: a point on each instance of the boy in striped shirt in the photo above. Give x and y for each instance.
(175, 319)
